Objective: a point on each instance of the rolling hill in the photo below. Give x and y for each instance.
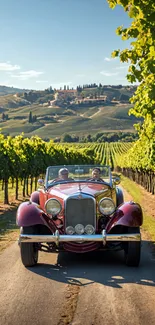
(4, 90)
(50, 121)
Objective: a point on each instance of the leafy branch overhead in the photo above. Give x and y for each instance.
(141, 55)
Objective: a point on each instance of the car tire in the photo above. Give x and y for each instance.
(29, 251)
(119, 195)
(132, 249)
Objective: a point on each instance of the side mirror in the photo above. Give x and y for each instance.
(116, 180)
(40, 182)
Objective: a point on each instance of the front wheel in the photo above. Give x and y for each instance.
(29, 251)
(132, 249)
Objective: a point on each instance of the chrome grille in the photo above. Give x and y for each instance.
(81, 210)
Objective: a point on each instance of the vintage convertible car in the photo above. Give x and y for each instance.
(79, 214)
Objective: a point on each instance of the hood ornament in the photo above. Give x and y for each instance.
(79, 196)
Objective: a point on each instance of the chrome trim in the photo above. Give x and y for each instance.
(104, 237)
(52, 199)
(57, 238)
(77, 166)
(103, 199)
(82, 196)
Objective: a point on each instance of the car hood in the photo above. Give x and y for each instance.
(64, 190)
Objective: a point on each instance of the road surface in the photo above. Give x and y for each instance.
(75, 289)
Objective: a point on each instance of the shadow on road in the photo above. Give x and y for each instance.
(105, 268)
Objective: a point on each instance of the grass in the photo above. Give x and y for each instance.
(84, 125)
(108, 118)
(11, 101)
(91, 111)
(8, 229)
(8, 221)
(11, 190)
(134, 190)
(38, 110)
(16, 127)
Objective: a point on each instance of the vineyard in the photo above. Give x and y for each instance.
(23, 160)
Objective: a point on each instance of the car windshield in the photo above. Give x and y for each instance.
(80, 173)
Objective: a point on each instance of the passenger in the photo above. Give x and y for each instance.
(96, 172)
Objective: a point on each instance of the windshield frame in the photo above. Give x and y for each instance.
(47, 185)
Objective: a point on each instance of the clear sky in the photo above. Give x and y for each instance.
(60, 42)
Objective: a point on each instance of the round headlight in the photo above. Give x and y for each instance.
(70, 230)
(106, 206)
(53, 207)
(89, 229)
(79, 229)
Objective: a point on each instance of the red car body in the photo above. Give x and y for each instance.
(79, 200)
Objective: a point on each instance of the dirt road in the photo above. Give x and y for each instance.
(77, 289)
(92, 289)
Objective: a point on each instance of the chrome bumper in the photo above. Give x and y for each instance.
(57, 238)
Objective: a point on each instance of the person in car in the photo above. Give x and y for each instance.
(63, 174)
(96, 172)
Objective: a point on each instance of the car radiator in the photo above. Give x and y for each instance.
(80, 210)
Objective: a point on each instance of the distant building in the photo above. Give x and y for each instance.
(64, 94)
(98, 100)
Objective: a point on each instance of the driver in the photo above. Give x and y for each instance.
(96, 172)
(63, 174)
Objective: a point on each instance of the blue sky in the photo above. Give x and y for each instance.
(58, 42)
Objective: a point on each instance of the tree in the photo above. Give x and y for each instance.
(3, 116)
(83, 94)
(51, 90)
(66, 138)
(141, 57)
(89, 139)
(30, 117)
(25, 95)
(34, 118)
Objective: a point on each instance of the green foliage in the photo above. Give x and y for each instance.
(141, 57)
(66, 138)
(99, 137)
(144, 159)
(4, 90)
(30, 117)
(53, 121)
(23, 157)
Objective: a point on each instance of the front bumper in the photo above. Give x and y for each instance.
(57, 238)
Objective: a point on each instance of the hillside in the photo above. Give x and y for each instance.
(39, 113)
(4, 90)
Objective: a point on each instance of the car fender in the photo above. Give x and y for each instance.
(128, 214)
(29, 214)
(35, 197)
(120, 197)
